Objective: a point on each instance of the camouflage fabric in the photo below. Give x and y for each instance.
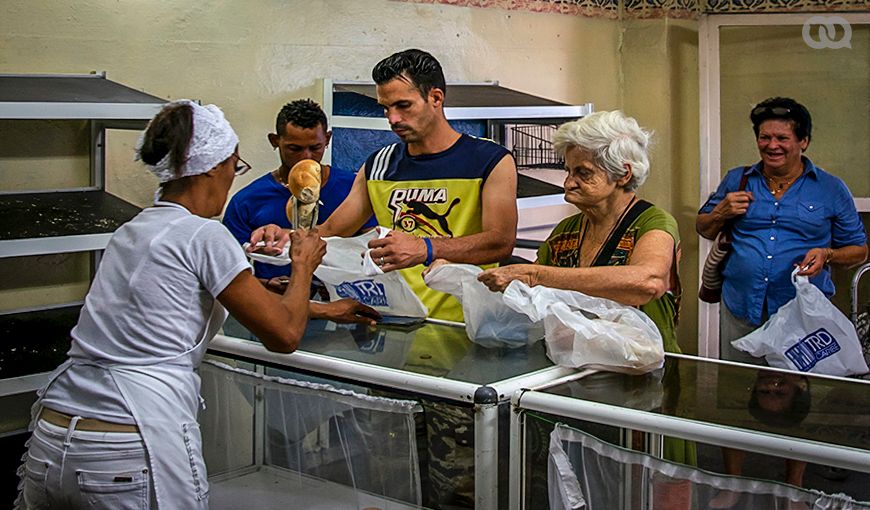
(445, 449)
(450, 439)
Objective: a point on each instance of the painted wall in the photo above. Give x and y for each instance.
(831, 83)
(659, 87)
(250, 58)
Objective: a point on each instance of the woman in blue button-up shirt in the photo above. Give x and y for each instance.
(790, 213)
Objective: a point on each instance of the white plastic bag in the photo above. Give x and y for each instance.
(370, 267)
(281, 259)
(590, 332)
(342, 272)
(488, 321)
(808, 334)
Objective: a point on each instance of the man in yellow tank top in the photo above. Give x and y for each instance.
(444, 194)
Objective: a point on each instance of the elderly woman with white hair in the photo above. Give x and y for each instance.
(116, 424)
(618, 247)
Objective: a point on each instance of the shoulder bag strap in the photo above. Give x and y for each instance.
(743, 179)
(613, 241)
(726, 230)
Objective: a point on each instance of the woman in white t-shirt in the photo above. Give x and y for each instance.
(116, 427)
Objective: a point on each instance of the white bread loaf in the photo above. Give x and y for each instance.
(303, 181)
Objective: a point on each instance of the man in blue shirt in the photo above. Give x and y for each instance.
(301, 132)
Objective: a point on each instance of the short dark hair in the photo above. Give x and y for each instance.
(784, 108)
(304, 113)
(421, 68)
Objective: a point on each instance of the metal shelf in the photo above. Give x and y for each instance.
(60, 222)
(89, 97)
(49, 221)
(528, 187)
(33, 342)
(485, 101)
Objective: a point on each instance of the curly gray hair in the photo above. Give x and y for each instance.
(614, 139)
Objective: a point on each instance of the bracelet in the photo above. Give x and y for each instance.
(428, 251)
(829, 255)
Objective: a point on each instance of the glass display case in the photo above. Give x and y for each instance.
(702, 405)
(266, 438)
(464, 388)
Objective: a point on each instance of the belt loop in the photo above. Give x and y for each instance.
(72, 428)
(67, 441)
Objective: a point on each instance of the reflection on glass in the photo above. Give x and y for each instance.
(780, 399)
(429, 349)
(777, 399)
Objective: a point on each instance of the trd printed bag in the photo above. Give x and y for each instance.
(344, 276)
(808, 334)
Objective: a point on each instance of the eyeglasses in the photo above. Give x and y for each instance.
(241, 166)
(775, 110)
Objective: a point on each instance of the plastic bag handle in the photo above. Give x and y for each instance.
(795, 279)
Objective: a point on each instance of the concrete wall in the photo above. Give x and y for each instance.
(250, 58)
(659, 87)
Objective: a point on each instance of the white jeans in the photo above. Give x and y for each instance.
(73, 469)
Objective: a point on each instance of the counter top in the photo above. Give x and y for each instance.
(428, 349)
(822, 409)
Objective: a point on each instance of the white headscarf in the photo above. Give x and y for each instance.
(213, 141)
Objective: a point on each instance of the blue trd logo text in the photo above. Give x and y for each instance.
(367, 292)
(811, 349)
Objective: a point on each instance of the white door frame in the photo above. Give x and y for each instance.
(710, 132)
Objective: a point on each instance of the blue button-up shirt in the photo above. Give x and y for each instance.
(775, 233)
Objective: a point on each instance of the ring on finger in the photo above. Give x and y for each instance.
(381, 261)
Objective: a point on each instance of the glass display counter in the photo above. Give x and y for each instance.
(431, 361)
(762, 411)
(268, 440)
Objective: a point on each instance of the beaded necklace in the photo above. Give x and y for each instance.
(778, 186)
